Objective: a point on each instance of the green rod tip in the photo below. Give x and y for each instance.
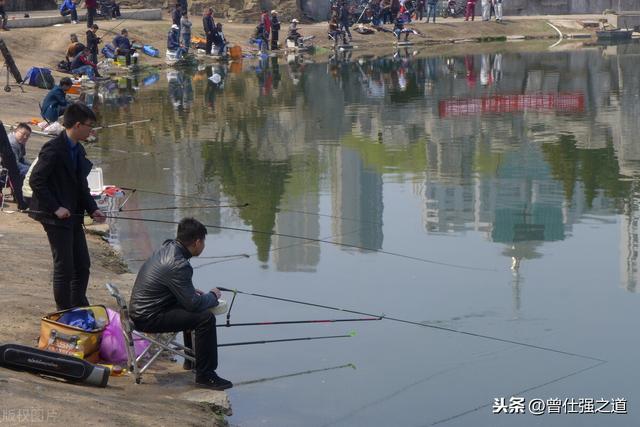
(352, 333)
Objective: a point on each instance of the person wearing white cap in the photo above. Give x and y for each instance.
(294, 35)
(275, 29)
(173, 41)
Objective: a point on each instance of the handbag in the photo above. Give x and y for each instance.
(75, 332)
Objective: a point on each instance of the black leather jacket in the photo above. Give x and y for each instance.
(164, 281)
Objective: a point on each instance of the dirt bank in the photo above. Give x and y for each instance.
(26, 295)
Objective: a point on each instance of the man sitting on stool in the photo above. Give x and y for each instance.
(164, 300)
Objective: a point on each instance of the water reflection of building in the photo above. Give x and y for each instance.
(357, 201)
(298, 216)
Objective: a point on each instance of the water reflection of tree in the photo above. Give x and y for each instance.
(597, 169)
(248, 179)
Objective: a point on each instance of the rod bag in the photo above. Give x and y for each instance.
(16, 356)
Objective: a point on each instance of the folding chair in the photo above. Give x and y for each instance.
(158, 344)
(6, 186)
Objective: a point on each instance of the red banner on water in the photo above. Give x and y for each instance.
(557, 102)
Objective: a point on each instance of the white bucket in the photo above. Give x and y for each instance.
(221, 308)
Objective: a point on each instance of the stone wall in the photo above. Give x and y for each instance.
(19, 5)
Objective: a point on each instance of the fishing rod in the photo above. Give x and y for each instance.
(176, 207)
(311, 239)
(349, 335)
(411, 322)
(161, 193)
(135, 122)
(299, 322)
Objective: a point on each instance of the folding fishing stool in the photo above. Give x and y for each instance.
(7, 190)
(159, 342)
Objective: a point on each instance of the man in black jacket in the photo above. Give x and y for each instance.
(209, 29)
(164, 300)
(92, 42)
(60, 198)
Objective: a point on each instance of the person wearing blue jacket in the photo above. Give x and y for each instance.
(68, 7)
(55, 102)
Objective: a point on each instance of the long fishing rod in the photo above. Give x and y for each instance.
(232, 344)
(311, 239)
(168, 208)
(411, 322)
(122, 124)
(161, 193)
(300, 322)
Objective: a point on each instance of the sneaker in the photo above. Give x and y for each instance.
(214, 382)
(74, 22)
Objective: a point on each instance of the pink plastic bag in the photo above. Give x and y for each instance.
(113, 348)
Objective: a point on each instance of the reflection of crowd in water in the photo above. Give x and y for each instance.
(399, 73)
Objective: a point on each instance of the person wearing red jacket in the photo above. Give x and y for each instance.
(91, 6)
(265, 20)
(470, 11)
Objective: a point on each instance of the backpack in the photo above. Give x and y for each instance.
(40, 77)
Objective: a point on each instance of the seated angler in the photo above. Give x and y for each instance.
(123, 45)
(82, 65)
(55, 102)
(18, 140)
(219, 41)
(173, 42)
(164, 299)
(399, 29)
(294, 35)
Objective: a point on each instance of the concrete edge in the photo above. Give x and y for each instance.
(47, 21)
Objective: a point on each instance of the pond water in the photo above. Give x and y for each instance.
(491, 194)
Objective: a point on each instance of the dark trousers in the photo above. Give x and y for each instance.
(91, 15)
(71, 265)
(274, 40)
(209, 44)
(72, 12)
(344, 26)
(431, 12)
(178, 319)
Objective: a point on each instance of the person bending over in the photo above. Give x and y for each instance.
(55, 102)
(164, 299)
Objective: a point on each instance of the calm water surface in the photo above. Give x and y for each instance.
(510, 178)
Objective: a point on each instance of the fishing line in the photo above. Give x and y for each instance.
(555, 380)
(274, 249)
(295, 374)
(410, 322)
(311, 239)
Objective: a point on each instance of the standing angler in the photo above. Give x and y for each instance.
(60, 198)
(275, 29)
(209, 29)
